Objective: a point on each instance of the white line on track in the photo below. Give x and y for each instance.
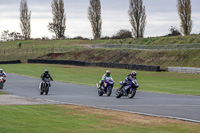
(151, 105)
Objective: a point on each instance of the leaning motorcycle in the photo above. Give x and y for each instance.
(106, 88)
(1, 82)
(128, 90)
(45, 84)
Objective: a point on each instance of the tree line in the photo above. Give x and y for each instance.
(136, 12)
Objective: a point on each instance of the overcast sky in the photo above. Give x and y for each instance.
(161, 15)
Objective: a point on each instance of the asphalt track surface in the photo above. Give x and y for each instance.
(182, 107)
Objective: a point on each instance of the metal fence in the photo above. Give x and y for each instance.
(184, 70)
(148, 47)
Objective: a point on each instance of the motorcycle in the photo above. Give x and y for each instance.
(128, 90)
(45, 86)
(106, 88)
(1, 82)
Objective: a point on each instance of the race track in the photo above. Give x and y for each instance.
(182, 107)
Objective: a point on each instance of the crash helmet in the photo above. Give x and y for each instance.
(1, 70)
(108, 73)
(133, 73)
(46, 71)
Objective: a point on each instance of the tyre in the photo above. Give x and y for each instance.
(118, 93)
(47, 91)
(1, 85)
(132, 93)
(109, 91)
(100, 93)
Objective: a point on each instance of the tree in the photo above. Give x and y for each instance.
(58, 25)
(25, 17)
(94, 15)
(185, 11)
(15, 36)
(137, 17)
(5, 35)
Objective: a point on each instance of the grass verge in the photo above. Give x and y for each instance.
(2, 93)
(163, 82)
(76, 119)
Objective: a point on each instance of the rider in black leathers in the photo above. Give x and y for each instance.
(46, 75)
(129, 78)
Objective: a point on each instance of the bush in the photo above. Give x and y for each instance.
(174, 32)
(123, 34)
(80, 38)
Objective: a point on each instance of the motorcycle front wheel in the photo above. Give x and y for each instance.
(100, 92)
(1, 86)
(47, 91)
(118, 93)
(132, 93)
(109, 91)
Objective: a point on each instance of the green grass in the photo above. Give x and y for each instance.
(62, 119)
(164, 82)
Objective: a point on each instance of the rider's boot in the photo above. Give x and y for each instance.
(100, 85)
(40, 86)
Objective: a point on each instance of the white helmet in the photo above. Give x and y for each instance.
(108, 72)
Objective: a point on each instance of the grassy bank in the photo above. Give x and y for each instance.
(74, 50)
(164, 82)
(76, 119)
(191, 39)
(180, 58)
(48, 43)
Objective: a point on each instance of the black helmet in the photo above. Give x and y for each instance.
(1, 70)
(47, 71)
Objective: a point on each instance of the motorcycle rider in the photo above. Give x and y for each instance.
(45, 76)
(129, 78)
(3, 74)
(103, 79)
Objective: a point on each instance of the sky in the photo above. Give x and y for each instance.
(161, 15)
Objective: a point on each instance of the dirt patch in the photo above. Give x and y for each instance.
(121, 118)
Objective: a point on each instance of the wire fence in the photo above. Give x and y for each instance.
(38, 51)
(148, 47)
